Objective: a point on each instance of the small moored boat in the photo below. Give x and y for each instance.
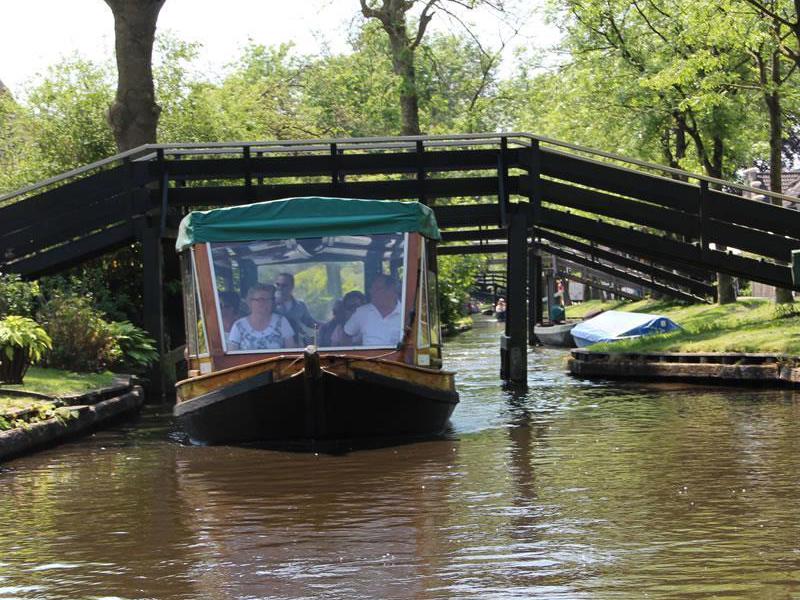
(557, 335)
(615, 325)
(312, 319)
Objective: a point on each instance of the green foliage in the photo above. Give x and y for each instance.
(113, 283)
(82, 340)
(138, 349)
(17, 297)
(22, 342)
(24, 333)
(456, 277)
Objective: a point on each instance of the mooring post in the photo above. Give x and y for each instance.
(514, 346)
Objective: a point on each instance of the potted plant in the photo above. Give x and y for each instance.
(22, 342)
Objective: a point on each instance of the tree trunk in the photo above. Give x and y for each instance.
(392, 16)
(134, 115)
(404, 67)
(773, 101)
(403, 63)
(726, 292)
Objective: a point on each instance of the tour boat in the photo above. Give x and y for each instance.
(312, 319)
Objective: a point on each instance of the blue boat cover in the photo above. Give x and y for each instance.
(614, 325)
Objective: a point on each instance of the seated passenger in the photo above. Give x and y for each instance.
(229, 304)
(293, 309)
(262, 328)
(332, 333)
(379, 323)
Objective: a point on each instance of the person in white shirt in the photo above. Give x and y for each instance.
(262, 329)
(379, 323)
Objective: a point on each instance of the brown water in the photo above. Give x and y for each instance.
(572, 490)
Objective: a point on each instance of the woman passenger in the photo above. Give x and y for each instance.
(261, 329)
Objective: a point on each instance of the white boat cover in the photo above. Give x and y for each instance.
(615, 325)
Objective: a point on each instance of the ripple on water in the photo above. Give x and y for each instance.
(570, 489)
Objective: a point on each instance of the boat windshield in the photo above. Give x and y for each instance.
(339, 292)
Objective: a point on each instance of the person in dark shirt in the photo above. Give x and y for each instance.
(295, 311)
(332, 333)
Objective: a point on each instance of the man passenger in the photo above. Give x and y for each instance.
(379, 323)
(293, 309)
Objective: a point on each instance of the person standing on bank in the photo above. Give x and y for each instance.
(262, 329)
(379, 323)
(293, 309)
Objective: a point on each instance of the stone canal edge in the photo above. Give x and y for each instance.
(718, 367)
(76, 415)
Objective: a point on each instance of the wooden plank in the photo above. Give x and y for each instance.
(665, 250)
(58, 228)
(753, 213)
(472, 249)
(75, 252)
(651, 188)
(406, 189)
(473, 235)
(69, 197)
(618, 237)
(322, 165)
(595, 284)
(624, 209)
(751, 240)
(466, 215)
(698, 287)
(625, 275)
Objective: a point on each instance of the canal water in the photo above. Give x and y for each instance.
(574, 489)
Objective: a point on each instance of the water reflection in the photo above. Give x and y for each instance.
(571, 489)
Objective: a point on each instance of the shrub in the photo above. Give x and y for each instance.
(82, 339)
(138, 349)
(22, 342)
(17, 297)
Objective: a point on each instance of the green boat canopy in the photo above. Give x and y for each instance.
(306, 217)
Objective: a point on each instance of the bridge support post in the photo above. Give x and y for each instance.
(153, 273)
(514, 346)
(534, 292)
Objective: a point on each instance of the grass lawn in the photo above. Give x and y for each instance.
(52, 382)
(55, 382)
(749, 325)
(578, 311)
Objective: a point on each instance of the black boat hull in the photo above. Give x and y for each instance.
(328, 407)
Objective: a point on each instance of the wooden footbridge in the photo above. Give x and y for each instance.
(518, 194)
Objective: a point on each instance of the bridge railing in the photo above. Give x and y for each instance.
(652, 212)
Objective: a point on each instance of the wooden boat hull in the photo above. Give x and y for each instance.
(346, 399)
(559, 336)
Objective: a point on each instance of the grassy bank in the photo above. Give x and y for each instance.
(55, 382)
(749, 325)
(51, 382)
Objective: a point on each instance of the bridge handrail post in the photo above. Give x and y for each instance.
(502, 183)
(421, 174)
(702, 214)
(248, 173)
(334, 154)
(163, 185)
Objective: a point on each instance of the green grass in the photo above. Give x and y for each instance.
(749, 325)
(55, 382)
(578, 311)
